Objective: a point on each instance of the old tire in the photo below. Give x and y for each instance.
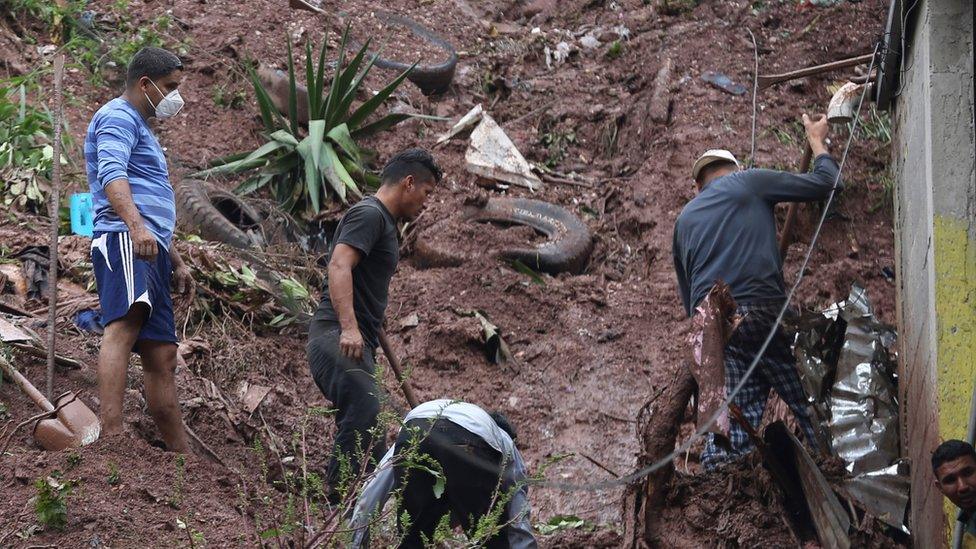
(431, 79)
(567, 249)
(218, 215)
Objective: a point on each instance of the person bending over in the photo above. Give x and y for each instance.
(480, 463)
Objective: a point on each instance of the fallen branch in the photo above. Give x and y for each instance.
(598, 464)
(39, 352)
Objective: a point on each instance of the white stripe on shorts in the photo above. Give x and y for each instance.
(125, 251)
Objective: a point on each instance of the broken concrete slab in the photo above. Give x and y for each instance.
(466, 122)
(492, 154)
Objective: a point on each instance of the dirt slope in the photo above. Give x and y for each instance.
(589, 349)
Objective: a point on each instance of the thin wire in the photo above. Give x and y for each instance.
(755, 93)
(901, 61)
(629, 479)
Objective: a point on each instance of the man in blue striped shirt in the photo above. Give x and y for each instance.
(133, 255)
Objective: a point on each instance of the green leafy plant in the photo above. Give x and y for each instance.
(615, 50)
(26, 153)
(306, 167)
(176, 497)
(559, 523)
(51, 502)
(114, 475)
(74, 459)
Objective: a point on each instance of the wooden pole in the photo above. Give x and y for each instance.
(54, 206)
(785, 238)
(397, 370)
(767, 80)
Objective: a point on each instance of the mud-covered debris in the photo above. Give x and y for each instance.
(492, 154)
(411, 321)
(35, 261)
(251, 395)
(496, 350)
(724, 83)
(558, 55)
(590, 42)
(10, 332)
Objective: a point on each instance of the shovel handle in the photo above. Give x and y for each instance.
(766, 80)
(21, 381)
(786, 237)
(397, 371)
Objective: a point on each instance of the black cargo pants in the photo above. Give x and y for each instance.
(352, 388)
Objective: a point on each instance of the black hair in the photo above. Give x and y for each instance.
(504, 424)
(416, 162)
(950, 450)
(152, 62)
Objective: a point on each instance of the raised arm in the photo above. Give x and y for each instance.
(776, 186)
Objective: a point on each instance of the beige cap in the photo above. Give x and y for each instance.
(714, 155)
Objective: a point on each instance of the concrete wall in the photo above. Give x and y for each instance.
(935, 234)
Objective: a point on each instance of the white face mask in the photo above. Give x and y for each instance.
(170, 105)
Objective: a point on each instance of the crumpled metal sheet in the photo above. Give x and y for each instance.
(847, 364)
(863, 399)
(883, 493)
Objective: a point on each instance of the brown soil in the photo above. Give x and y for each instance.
(588, 349)
(397, 43)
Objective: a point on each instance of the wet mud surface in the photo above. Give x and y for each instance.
(588, 349)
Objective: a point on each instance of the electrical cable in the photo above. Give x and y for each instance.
(703, 429)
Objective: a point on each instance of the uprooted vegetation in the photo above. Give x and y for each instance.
(586, 349)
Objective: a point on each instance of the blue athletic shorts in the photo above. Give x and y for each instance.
(124, 280)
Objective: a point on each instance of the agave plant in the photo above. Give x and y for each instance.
(307, 167)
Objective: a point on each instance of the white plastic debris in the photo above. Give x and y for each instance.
(562, 53)
(466, 122)
(590, 42)
(492, 154)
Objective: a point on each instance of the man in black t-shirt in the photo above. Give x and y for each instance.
(342, 337)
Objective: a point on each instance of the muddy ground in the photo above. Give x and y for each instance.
(588, 349)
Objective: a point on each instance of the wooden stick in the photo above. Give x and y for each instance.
(767, 80)
(600, 465)
(53, 211)
(785, 238)
(32, 349)
(397, 370)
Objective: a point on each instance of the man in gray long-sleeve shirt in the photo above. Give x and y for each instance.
(728, 232)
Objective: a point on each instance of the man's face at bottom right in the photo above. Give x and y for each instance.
(956, 480)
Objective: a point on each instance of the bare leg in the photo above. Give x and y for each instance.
(113, 362)
(159, 365)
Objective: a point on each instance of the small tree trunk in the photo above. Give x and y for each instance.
(661, 417)
(658, 424)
